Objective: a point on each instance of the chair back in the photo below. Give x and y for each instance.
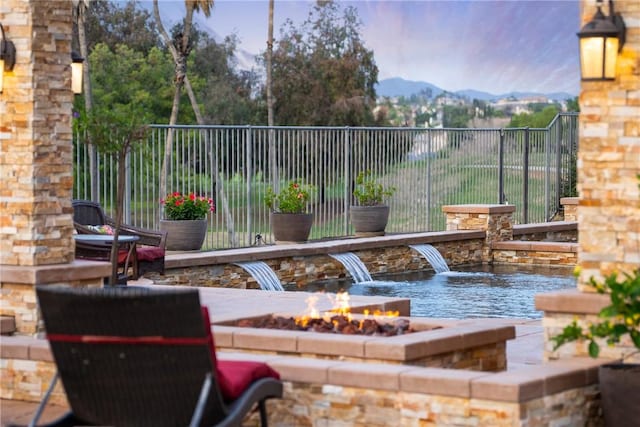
(87, 212)
(130, 356)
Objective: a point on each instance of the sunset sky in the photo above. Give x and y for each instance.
(492, 46)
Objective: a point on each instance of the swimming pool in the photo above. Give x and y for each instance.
(489, 291)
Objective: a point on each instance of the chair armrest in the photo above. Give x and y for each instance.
(147, 236)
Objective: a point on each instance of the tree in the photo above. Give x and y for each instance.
(108, 23)
(323, 75)
(541, 119)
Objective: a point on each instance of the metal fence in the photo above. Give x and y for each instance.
(529, 168)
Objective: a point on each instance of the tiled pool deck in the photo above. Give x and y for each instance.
(525, 349)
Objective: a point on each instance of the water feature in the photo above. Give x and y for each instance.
(432, 255)
(263, 274)
(491, 291)
(354, 266)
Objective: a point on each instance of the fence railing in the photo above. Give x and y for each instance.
(529, 168)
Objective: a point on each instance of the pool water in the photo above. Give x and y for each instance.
(491, 291)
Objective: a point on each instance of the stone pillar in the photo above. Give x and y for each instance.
(496, 220)
(36, 171)
(608, 210)
(570, 208)
(36, 223)
(609, 160)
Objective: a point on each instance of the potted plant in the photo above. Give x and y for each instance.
(289, 216)
(185, 220)
(370, 216)
(619, 382)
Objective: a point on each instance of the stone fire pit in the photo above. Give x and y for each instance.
(433, 342)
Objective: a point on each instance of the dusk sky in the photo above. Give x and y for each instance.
(492, 46)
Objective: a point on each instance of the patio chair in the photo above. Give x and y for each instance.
(150, 248)
(134, 356)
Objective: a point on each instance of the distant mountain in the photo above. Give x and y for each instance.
(397, 86)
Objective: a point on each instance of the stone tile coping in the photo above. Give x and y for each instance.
(57, 273)
(569, 201)
(479, 209)
(513, 245)
(432, 337)
(545, 227)
(527, 383)
(261, 253)
(571, 301)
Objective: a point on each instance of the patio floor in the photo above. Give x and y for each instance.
(526, 349)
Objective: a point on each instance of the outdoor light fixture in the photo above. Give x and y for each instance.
(76, 72)
(7, 55)
(600, 41)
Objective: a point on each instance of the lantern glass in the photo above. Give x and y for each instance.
(598, 56)
(76, 77)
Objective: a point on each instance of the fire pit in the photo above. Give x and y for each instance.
(336, 324)
(432, 342)
(338, 320)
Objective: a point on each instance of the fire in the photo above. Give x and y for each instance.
(340, 306)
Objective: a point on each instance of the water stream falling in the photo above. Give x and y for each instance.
(263, 274)
(432, 255)
(354, 266)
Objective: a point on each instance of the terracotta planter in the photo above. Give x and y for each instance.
(290, 228)
(619, 386)
(369, 220)
(185, 235)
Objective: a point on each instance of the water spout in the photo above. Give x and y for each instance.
(434, 257)
(263, 274)
(354, 266)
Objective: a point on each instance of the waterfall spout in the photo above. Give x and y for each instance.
(354, 266)
(432, 255)
(263, 274)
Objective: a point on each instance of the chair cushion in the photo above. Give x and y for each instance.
(235, 376)
(101, 229)
(149, 253)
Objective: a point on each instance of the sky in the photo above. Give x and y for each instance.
(493, 46)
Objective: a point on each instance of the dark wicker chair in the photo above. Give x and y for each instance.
(133, 356)
(150, 248)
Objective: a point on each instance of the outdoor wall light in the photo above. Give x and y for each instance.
(7, 56)
(76, 72)
(600, 41)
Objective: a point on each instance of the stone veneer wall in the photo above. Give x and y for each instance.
(609, 160)
(36, 225)
(302, 270)
(608, 209)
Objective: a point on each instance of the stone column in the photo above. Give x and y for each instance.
(609, 160)
(496, 220)
(36, 172)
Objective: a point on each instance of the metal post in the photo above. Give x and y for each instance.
(249, 178)
(525, 179)
(346, 144)
(501, 195)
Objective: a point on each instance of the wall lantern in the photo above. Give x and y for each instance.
(7, 55)
(76, 72)
(600, 41)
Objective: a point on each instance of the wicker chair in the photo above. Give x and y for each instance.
(134, 356)
(150, 249)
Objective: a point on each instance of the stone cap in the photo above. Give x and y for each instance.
(479, 209)
(54, 273)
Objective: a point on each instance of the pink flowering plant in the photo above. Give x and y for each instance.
(179, 207)
(294, 198)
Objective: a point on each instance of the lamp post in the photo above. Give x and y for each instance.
(600, 41)
(7, 56)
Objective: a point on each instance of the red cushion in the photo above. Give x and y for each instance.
(149, 253)
(234, 376)
(122, 256)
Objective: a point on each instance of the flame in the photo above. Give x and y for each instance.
(341, 306)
